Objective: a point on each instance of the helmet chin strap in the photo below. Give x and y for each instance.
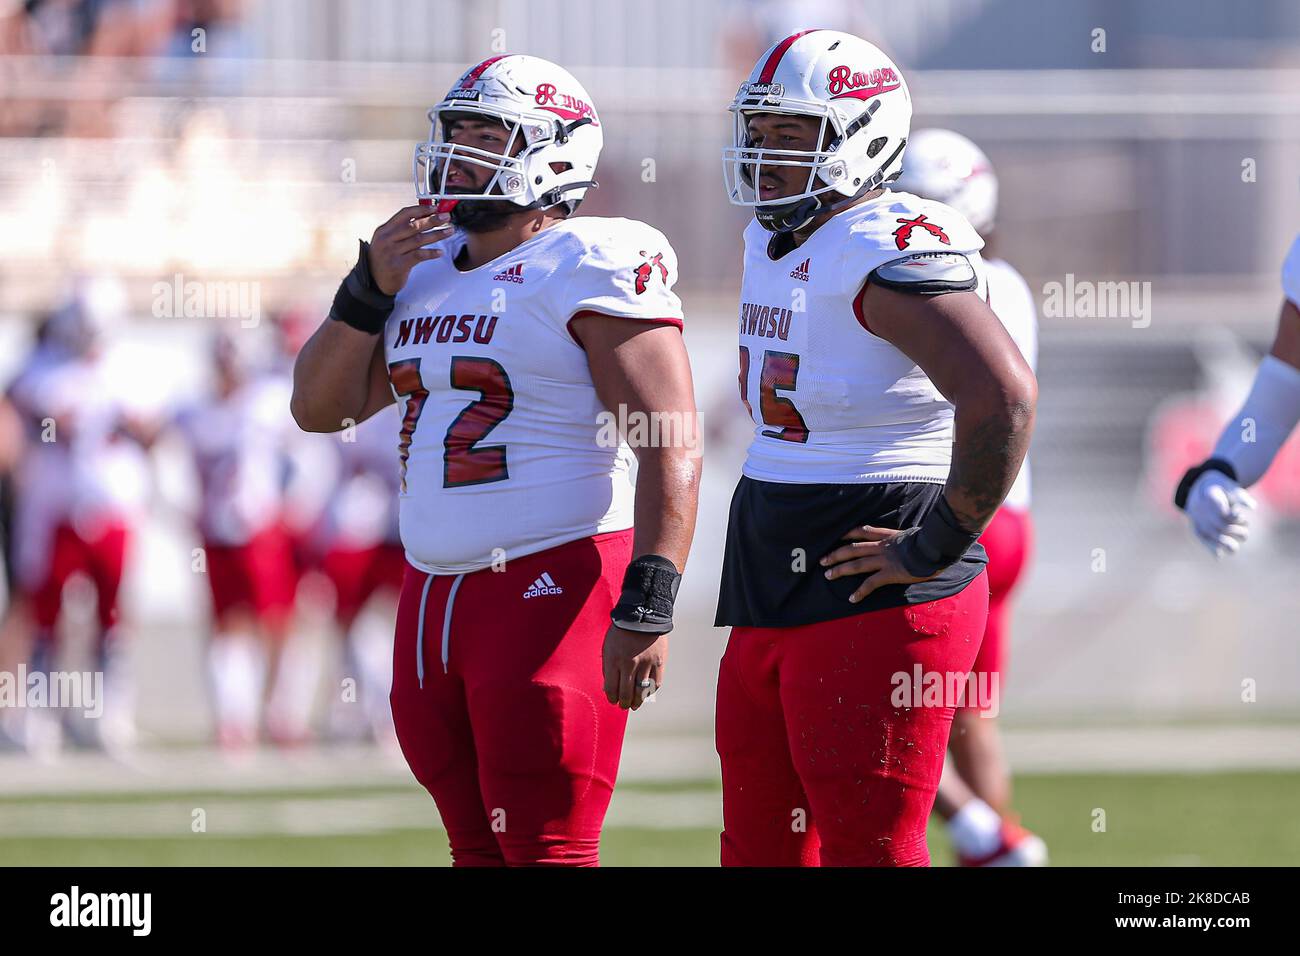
(793, 217)
(485, 214)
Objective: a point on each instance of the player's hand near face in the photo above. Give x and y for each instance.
(630, 660)
(873, 552)
(340, 377)
(400, 243)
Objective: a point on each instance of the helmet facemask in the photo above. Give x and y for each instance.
(829, 171)
(434, 158)
(508, 189)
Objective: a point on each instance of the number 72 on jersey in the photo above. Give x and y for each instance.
(464, 460)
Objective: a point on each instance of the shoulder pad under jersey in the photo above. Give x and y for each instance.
(927, 273)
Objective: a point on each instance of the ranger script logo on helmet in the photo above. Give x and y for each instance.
(865, 110)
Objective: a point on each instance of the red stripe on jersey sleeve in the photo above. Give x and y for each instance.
(859, 308)
(591, 313)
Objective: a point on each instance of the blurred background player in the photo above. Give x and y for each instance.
(15, 626)
(81, 488)
(235, 438)
(363, 559)
(1213, 494)
(975, 792)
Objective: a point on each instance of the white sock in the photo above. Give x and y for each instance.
(346, 715)
(238, 671)
(975, 829)
(117, 727)
(373, 646)
(293, 695)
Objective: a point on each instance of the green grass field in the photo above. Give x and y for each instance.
(1191, 820)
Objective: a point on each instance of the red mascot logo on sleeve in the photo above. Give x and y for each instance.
(646, 270)
(903, 234)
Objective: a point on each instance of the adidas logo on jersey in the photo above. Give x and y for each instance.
(513, 274)
(542, 586)
(801, 270)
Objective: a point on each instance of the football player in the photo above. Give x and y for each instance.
(234, 440)
(891, 412)
(82, 486)
(363, 560)
(975, 791)
(510, 343)
(1213, 493)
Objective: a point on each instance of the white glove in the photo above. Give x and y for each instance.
(1219, 510)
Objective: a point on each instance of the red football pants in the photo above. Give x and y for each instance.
(102, 559)
(1009, 542)
(499, 704)
(819, 765)
(257, 577)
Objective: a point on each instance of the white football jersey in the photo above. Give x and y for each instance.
(362, 508)
(103, 472)
(504, 447)
(236, 444)
(831, 401)
(1291, 273)
(1013, 303)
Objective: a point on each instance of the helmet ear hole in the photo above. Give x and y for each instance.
(875, 146)
(558, 168)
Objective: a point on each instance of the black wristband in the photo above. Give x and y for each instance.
(649, 590)
(1189, 478)
(937, 542)
(359, 302)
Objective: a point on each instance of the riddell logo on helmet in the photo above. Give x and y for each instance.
(562, 104)
(862, 84)
(773, 90)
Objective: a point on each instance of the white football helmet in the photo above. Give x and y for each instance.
(947, 167)
(90, 315)
(860, 97)
(540, 104)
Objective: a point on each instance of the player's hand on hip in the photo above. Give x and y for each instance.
(399, 244)
(1219, 510)
(871, 552)
(634, 666)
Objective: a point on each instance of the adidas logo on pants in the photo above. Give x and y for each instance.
(543, 585)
